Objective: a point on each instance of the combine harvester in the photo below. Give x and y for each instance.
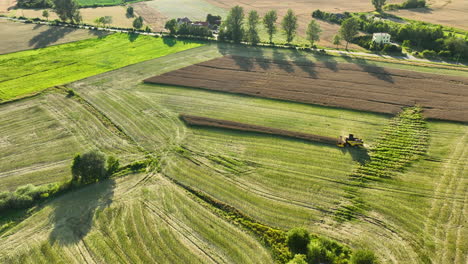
(349, 141)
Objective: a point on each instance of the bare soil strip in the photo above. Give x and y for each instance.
(353, 86)
(211, 122)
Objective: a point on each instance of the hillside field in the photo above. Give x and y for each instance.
(415, 215)
(36, 70)
(20, 36)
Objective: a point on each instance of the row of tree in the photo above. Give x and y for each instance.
(233, 28)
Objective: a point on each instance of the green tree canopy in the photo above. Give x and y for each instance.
(336, 40)
(138, 22)
(349, 29)
(378, 4)
(313, 32)
(171, 25)
(252, 30)
(297, 240)
(45, 14)
(363, 257)
(130, 11)
(89, 167)
(67, 10)
(269, 21)
(233, 24)
(289, 25)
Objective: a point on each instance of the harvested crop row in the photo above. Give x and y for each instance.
(211, 122)
(353, 86)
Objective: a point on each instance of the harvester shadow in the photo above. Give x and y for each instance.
(374, 70)
(74, 212)
(360, 155)
(54, 34)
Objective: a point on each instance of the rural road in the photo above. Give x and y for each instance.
(408, 57)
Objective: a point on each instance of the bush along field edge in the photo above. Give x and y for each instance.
(404, 140)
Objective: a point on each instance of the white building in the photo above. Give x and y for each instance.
(381, 38)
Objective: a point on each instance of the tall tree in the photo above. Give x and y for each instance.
(378, 4)
(67, 10)
(269, 20)
(138, 22)
(313, 32)
(106, 20)
(289, 25)
(336, 40)
(89, 167)
(171, 25)
(252, 31)
(349, 29)
(45, 14)
(234, 23)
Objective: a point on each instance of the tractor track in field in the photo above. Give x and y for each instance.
(444, 212)
(182, 231)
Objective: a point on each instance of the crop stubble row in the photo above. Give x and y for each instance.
(345, 85)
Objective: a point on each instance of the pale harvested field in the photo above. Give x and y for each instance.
(452, 13)
(40, 136)
(118, 14)
(19, 36)
(5, 5)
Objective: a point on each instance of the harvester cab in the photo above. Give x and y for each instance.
(350, 141)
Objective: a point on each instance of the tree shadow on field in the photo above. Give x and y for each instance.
(132, 36)
(74, 212)
(306, 64)
(169, 41)
(378, 72)
(53, 34)
(282, 62)
(360, 155)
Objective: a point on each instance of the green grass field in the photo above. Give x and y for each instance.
(414, 216)
(35, 70)
(105, 2)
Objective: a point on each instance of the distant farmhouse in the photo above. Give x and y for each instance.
(184, 20)
(381, 38)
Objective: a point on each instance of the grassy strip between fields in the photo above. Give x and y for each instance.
(404, 140)
(273, 238)
(32, 71)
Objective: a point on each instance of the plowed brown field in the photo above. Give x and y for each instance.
(211, 122)
(353, 86)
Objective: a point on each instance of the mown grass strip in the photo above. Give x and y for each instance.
(404, 140)
(31, 71)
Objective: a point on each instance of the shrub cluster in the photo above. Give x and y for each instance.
(309, 249)
(367, 43)
(191, 30)
(331, 17)
(25, 196)
(34, 3)
(406, 5)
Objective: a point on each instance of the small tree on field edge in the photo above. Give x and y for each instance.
(45, 14)
(378, 4)
(336, 40)
(313, 32)
(171, 25)
(269, 21)
(289, 25)
(130, 12)
(138, 22)
(91, 166)
(349, 29)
